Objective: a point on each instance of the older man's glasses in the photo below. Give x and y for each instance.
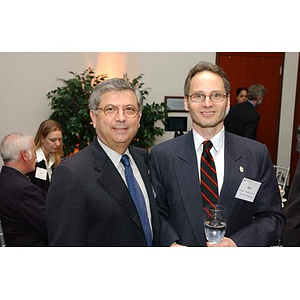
(112, 110)
(214, 97)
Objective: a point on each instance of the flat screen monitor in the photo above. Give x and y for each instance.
(176, 124)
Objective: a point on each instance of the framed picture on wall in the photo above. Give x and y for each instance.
(175, 103)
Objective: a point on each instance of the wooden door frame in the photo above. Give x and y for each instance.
(294, 153)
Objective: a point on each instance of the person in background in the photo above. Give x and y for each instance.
(245, 182)
(49, 150)
(243, 119)
(241, 94)
(91, 201)
(22, 204)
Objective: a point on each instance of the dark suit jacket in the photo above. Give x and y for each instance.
(88, 203)
(175, 176)
(291, 235)
(42, 184)
(242, 120)
(22, 210)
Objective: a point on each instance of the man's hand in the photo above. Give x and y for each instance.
(226, 242)
(176, 245)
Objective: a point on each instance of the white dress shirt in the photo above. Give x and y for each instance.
(41, 156)
(217, 152)
(115, 157)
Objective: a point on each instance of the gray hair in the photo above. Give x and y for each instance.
(255, 91)
(12, 145)
(113, 84)
(206, 66)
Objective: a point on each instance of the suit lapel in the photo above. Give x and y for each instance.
(111, 180)
(188, 180)
(143, 168)
(235, 164)
(142, 165)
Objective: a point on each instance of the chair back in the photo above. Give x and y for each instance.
(282, 175)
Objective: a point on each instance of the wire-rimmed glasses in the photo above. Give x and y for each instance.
(214, 97)
(112, 110)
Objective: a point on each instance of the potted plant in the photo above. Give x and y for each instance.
(69, 103)
(70, 109)
(151, 113)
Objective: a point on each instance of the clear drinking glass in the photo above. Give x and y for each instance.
(215, 224)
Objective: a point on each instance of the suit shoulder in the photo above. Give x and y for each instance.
(243, 142)
(174, 144)
(77, 160)
(235, 107)
(19, 184)
(139, 151)
(241, 107)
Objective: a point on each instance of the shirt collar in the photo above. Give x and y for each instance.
(11, 167)
(114, 156)
(217, 140)
(253, 104)
(41, 156)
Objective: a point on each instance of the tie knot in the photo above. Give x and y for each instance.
(207, 145)
(125, 160)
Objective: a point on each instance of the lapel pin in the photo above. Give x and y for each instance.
(241, 169)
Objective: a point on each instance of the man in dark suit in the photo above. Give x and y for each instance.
(242, 118)
(246, 183)
(22, 204)
(291, 235)
(88, 203)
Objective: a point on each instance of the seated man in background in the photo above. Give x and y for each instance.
(22, 204)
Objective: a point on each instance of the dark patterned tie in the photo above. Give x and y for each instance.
(209, 183)
(138, 198)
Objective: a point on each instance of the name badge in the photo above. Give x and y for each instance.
(41, 173)
(248, 190)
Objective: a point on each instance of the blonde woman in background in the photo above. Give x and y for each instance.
(49, 150)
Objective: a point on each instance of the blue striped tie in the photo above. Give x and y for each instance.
(137, 197)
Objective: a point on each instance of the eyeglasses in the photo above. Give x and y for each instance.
(112, 110)
(214, 97)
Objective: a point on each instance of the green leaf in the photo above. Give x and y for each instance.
(69, 104)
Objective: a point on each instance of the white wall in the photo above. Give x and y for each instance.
(26, 78)
(287, 109)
